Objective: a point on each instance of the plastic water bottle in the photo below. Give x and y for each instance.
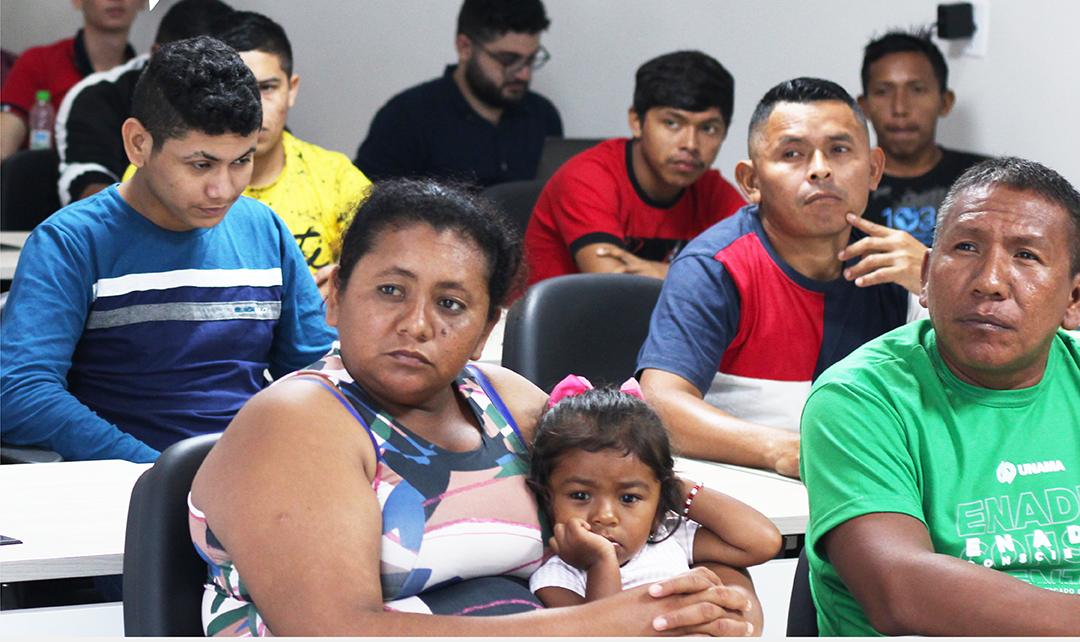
(42, 118)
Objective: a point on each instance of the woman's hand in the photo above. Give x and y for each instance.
(703, 604)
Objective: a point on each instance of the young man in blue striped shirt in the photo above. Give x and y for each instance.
(149, 312)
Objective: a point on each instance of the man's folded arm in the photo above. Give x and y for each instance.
(887, 561)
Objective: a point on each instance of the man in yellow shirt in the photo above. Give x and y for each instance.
(314, 190)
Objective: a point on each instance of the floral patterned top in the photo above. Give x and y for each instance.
(448, 517)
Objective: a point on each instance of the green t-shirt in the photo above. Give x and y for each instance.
(994, 475)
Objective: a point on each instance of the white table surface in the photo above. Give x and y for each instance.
(70, 516)
(779, 498)
(9, 258)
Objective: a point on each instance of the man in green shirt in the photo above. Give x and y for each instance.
(942, 460)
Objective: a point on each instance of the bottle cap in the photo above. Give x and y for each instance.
(43, 94)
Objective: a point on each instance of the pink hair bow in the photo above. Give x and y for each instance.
(576, 384)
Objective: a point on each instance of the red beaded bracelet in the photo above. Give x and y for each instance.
(690, 499)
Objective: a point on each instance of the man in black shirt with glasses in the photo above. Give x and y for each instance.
(478, 122)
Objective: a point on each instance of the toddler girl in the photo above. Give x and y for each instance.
(603, 472)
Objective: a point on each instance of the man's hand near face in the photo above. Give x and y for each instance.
(888, 256)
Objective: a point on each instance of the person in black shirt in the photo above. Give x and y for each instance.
(905, 92)
(478, 122)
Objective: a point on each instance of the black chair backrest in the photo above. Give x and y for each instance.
(517, 200)
(28, 188)
(802, 614)
(559, 150)
(163, 574)
(591, 325)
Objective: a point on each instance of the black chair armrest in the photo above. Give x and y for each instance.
(10, 454)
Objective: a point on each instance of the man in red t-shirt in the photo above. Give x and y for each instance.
(100, 45)
(629, 205)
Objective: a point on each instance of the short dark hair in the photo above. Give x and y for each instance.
(400, 203)
(800, 90)
(603, 419)
(486, 20)
(687, 80)
(189, 18)
(250, 31)
(196, 84)
(898, 41)
(1022, 176)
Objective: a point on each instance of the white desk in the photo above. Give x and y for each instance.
(781, 499)
(9, 254)
(71, 517)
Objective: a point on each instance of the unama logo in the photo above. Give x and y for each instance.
(153, 3)
(1007, 471)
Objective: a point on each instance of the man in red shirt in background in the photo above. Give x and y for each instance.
(100, 45)
(630, 205)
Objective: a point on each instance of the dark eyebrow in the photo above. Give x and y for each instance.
(979, 233)
(847, 138)
(671, 113)
(201, 154)
(580, 481)
(397, 271)
(452, 285)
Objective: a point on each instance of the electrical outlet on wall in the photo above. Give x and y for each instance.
(976, 46)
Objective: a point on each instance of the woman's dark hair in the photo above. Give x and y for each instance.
(400, 203)
(604, 419)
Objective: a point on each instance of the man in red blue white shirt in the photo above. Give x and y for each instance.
(759, 305)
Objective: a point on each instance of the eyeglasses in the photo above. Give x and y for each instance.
(513, 63)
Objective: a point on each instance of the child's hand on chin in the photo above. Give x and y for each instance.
(578, 546)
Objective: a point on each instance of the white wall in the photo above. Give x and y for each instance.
(1022, 98)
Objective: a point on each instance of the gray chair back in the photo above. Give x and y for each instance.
(516, 199)
(163, 574)
(559, 150)
(585, 324)
(802, 614)
(28, 188)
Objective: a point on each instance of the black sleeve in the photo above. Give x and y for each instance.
(88, 133)
(394, 145)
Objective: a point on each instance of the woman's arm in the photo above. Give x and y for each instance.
(522, 398)
(288, 493)
(733, 533)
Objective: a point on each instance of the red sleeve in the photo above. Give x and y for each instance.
(50, 67)
(20, 89)
(585, 199)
